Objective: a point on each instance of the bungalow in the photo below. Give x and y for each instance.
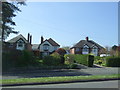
(85, 47)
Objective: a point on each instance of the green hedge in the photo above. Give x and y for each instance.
(53, 59)
(81, 59)
(113, 61)
(17, 58)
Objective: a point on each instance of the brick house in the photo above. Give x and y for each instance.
(18, 43)
(85, 47)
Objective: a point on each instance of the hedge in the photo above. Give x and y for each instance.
(113, 61)
(81, 59)
(17, 59)
(53, 59)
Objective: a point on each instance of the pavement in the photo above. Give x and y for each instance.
(101, 84)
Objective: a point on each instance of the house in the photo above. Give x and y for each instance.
(19, 43)
(46, 47)
(85, 47)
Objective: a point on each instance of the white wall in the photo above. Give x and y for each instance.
(51, 48)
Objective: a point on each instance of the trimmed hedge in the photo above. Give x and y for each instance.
(53, 59)
(81, 59)
(113, 61)
(17, 58)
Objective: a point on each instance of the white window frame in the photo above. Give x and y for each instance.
(85, 49)
(20, 47)
(45, 47)
(94, 50)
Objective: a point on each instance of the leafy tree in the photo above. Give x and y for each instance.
(9, 10)
(114, 47)
(66, 47)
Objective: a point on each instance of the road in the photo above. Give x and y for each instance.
(51, 73)
(100, 84)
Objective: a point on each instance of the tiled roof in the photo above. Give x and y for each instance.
(90, 43)
(15, 39)
(52, 42)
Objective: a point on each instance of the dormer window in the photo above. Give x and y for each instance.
(94, 50)
(85, 49)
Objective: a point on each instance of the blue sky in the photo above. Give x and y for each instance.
(69, 22)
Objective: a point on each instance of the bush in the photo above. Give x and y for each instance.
(53, 59)
(69, 58)
(26, 58)
(100, 60)
(113, 61)
(17, 58)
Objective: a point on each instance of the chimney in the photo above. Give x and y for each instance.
(42, 39)
(30, 39)
(87, 38)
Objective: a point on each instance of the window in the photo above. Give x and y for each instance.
(20, 44)
(11, 45)
(94, 51)
(55, 48)
(77, 49)
(46, 47)
(85, 50)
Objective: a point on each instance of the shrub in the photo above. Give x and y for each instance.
(53, 59)
(113, 61)
(26, 58)
(17, 58)
(69, 58)
(99, 60)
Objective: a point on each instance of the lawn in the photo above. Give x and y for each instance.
(57, 79)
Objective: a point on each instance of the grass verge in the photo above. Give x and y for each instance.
(57, 79)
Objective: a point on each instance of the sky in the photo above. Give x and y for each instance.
(69, 22)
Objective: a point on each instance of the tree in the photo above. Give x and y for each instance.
(114, 47)
(9, 10)
(66, 47)
(61, 51)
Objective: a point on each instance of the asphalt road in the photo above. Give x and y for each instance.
(100, 84)
(51, 73)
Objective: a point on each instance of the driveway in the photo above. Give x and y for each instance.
(96, 70)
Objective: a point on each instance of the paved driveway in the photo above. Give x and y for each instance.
(64, 72)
